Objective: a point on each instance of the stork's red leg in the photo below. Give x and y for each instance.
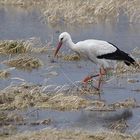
(102, 72)
(86, 79)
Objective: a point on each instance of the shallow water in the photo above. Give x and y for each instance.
(21, 23)
(83, 120)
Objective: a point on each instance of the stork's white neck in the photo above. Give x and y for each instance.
(70, 44)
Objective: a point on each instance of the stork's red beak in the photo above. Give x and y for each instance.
(58, 48)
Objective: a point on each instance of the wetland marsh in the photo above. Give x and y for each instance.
(41, 96)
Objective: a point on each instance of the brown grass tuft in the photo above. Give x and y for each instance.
(128, 103)
(83, 12)
(88, 11)
(14, 46)
(122, 68)
(25, 62)
(20, 97)
(63, 102)
(53, 134)
(71, 57)
(25, 96)
(119, 125)
(4, 74)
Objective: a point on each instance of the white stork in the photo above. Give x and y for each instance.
(97, 51)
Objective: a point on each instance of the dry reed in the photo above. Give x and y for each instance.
(71, 57)
(136, 51)
(14, 46)
(128, 103)
(32, 45)
(25, 62)
(22, 2)
(20, 97)
(121, 68)
(119, 125)
(88, 11)
(103, 106)
(63, 102)
(83, 11)
(53, 134)
(24, 96)
(4, 74)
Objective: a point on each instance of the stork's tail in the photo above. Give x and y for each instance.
(130, 61)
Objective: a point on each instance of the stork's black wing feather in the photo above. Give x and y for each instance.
(118, 55)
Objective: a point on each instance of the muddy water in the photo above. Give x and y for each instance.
(21, 23)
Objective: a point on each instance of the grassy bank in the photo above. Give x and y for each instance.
(52, 134)
(21, 2)
(83, 11)
(24, 96)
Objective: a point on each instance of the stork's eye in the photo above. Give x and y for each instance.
(61, 39)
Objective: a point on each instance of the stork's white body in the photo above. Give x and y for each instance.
(91, 48)
(98, 51)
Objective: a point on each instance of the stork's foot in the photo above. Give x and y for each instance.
(88, 82)
(88, 78)
(89, 87)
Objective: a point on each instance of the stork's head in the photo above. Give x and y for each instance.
(63, 38)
